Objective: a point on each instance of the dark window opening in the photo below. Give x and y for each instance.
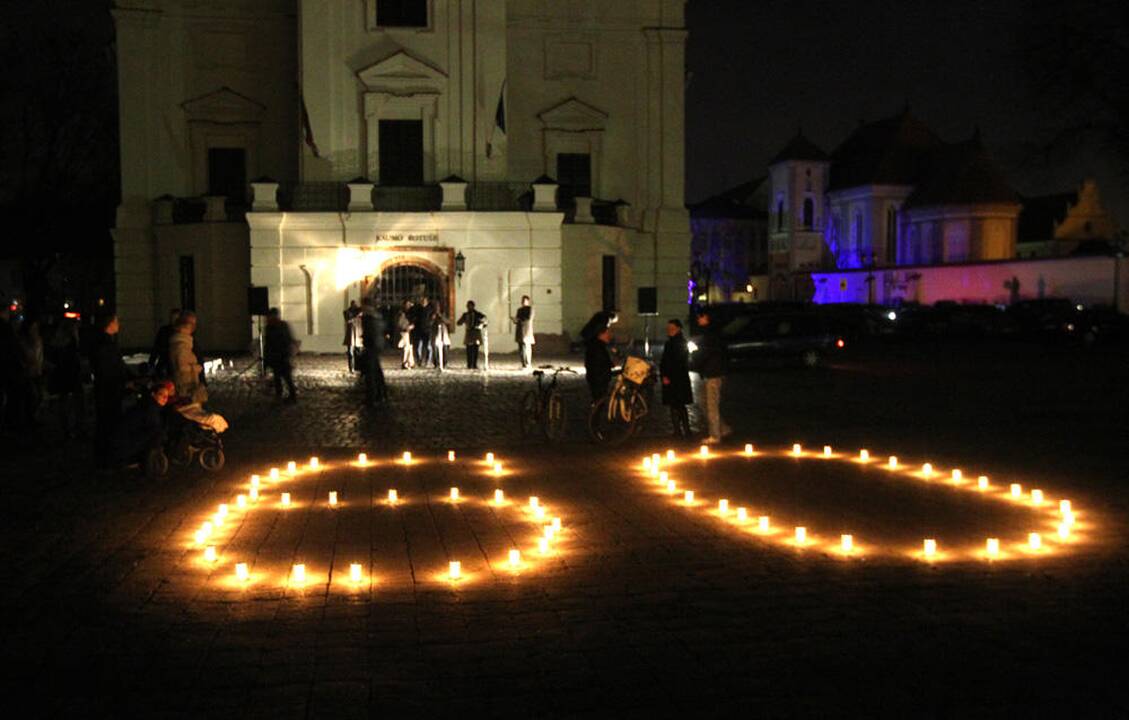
(574, 175)
(779, 215)
(401, 13)
(227, 173)
(809, 214)
(188, 282)
(608, 283)
(401, 152)
(891, 236)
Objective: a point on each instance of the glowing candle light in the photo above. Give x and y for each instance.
(254, 494)
(355, 572)
(515, 557)
(655, 458)
(1034, 541)
(748, 448)
(241, 501)
(393, 496)
(982, 482)
(298, 573)
(454, 494)
(993, 548)
(206, 528)
(499, 497)
(1016, 490)
(489, 458)
(254, 481)
(1036, 497)
(846, 543)
(285, 499)
(407, 457)
(454, 570)
(670, 456)
(647, 463)
(927, 469)
(200, 537)
(742, 514)
(723, 506)
(864, 455)
(273, 473)
(497, 468)
(315, 462)
(1068, 518)
(957, 475)
(893, 462)
(826, 451)
(1064, 506)
(450, 456)
(688, 497)
(241, 572)
(539, 512)
(210, 553)
(362, 458)
(548, 531)
(333, 498)
(222, 510)
(704, 451)
(670, 486)
(762, 523)
(291, 468)
(543, 545)
(557, 524)
(654, 471)
(663, 477)
(930, 547)
(801, 534)
(1063, 531)
(217, 520)
(797, 449)
(534, 501)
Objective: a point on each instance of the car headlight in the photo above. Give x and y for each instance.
(892, 315)
(692, 346)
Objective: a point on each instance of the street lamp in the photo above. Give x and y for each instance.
(460, 265)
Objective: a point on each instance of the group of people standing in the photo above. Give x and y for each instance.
(39, 360)
(423, 334)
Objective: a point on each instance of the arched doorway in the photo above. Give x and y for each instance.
(407, 279)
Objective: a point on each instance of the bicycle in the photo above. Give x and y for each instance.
(544, 408)
(617, 416)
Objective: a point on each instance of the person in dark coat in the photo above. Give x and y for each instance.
(278, 347)
(600, 321)
(159, 355)
(421, 331)
(352, 341)
(475, 323)
(675, 371)
(598, 364)
(64, 381)
(372, 340)
(712, 362)
(523, 332)
(111, 375)
(143, 426)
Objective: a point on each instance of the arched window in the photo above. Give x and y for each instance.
(779, 215)
(891, 236)
(809, 213)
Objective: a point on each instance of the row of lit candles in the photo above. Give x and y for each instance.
(406, 458)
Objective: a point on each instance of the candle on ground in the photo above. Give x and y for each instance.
(455, 570)
(291, 468)
(1063, 531)
(1034, 541)
(655, 458)
(497, 468)
(534, 501)
(1016, 490)
(704, 450)
(241, 572)
(539, 512)
(826, 451)
(285, 499)
(200, 537)
(273, 473)
(393, 496)
(1036, 497)
(362, 458)
(333, 498)
(315, 462)
(930, 547)
(982, 482)
(407, 456)
(647, 463)
(241, 501)
(688, 497)
(515, 557)
(670, 456)
(723, 506)
(543, 545)
(355, 572)
(489, 458)
(450, 456)
(499, 497)
(762, 523)
(864, 455)
(748, 448)
(927, 469)
(801, 534)
(254, 494)
(670, 486)
(993, 547)
(797, 449)
(893, 462)
(1064, 506)
(298, 573)
(557, 524)
(847, 543)
(210, 553)
(663, 477)
(254, 481)
(454, 493)
(957, 475)
(742, 514)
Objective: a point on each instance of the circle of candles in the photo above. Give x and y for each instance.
(797, 449)
(847, 543)
(1016, 490)
(454, 493)
(704, 450)
(273, 473)
(982, 482)
(556, 524)
(210, 553)
(222, 510)
(291, 467)
(285, 499)
(723, 506)
(1064, 506)
(826, 451)
(670, 456)
(489, 458)
(515, 557)
(241, 501)
(993, 547)
(864, 455)
(355, 572)
(742, 514)
(1036, 497)
(254, 481)
(1063, 531)
(688, 497)
(241, 573)
(893, 462)
(362, 458)
(957, 475)
(1034, 541)
(534, 501)
(499, 497)
(254, 493)
(315, 462)
(927, 469)
(455, 569)
(930, 547)
(393, 496)
(670, 486)
(748, 448)
(298, 573)
(333, 498)
(497, 468)
(801, 534)
(543, 545)
(450, 456)
(407, 456)
(762, 523)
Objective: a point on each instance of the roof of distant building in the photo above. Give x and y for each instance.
(800, 148)
(1040, 215)
(739, 202)
(961, 174)
(892, 151)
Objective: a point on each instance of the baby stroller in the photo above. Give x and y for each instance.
(194, 435)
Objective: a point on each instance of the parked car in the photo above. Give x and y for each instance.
(1045, 318)
(1099, 326)
(803, 338)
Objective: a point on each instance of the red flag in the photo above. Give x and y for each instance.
(307, 129)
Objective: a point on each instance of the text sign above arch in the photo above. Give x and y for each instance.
(411, 238)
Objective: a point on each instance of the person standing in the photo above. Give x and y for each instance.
(711, 365)
(475, 322)
(372, 340)
(674, 368)
(440, 336)
(421, 331)
(523, 331)
(110, 377)
(278, 348)
(184, 367)
(352, 341)
(598, 363)
(404, 328)
(159, 355)
(64, 381)
(31, 350)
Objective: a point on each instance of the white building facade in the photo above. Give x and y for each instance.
(461, 149)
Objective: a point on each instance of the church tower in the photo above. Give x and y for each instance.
(796, 213)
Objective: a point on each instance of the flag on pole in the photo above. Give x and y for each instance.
(499, 120)
(307, 130)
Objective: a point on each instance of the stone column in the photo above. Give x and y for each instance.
(454, 193)
(264, 197)
(583, 211)
(360, 197)
(545, 194)
(214, 210)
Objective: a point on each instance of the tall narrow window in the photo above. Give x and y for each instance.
(401, 13)
(809, 214)
(574, 174)
(188, 282)
(891, 236)
(608, 284)
(401, 152)
(779, 215)
(856, 240)
(227, 173)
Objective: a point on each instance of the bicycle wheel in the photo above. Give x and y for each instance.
(529, 414)
(555, 417)
(639, 411)
(611, 430)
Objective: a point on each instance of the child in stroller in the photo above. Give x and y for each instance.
(139, 436)
(194, 434)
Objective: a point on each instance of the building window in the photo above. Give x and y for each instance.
(574, 175)
(856, 236)
(608, 283)
(401, 13)
(187, 282)
(809, 214)
(779, 215)
(891, 236)
(227, 173)
(401, 152)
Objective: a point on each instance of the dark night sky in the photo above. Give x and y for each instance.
(760, 68)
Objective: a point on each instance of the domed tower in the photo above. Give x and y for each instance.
(797, 208)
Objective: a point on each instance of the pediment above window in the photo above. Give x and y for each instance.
(574, 115)
(401, 70)
(223, 106)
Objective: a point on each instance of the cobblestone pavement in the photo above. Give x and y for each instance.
(644, 607)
